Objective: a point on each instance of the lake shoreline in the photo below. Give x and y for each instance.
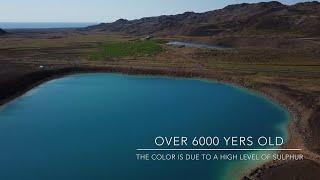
(17, 87)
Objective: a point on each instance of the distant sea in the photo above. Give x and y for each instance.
(37, 25)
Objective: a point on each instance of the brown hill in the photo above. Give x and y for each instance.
(264, 17)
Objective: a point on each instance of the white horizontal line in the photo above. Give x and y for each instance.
(219, 149)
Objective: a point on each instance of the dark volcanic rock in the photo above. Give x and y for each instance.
(2, 32)
(264, 17)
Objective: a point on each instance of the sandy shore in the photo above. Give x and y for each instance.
(298, 127)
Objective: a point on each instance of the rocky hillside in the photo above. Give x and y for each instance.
(264, 17)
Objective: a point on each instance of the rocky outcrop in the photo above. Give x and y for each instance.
(2, 32)
(262, 18)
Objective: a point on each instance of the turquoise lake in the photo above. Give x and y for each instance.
(88, 126)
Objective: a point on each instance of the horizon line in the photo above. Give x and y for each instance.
(137, 18)
(47, 22)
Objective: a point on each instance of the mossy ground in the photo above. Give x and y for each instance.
(134, 48)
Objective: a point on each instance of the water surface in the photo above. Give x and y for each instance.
(41, 25)
(196, 45)
(89, 126)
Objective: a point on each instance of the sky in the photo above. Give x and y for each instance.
(104, 10)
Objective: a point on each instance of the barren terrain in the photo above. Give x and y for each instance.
(283, 66)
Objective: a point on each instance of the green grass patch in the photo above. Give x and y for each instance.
(127, 49)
